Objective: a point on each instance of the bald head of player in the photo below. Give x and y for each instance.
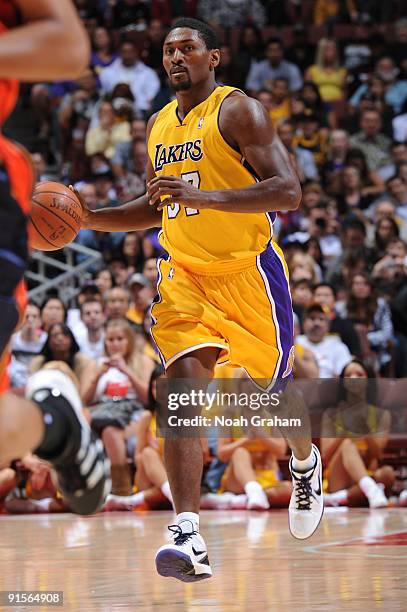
(190, 55)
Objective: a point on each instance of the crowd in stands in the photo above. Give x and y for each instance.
(332, 75)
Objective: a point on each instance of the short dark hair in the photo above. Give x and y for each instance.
(314, 307)
(370, 110)
(331, 287)
(53, 295)
(274, 40)
(393, 178)
(398, 143)
(205, 32)
(127, 41)
(90, 300)
(281, 78)
(352, 222)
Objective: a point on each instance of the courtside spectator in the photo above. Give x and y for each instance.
(370, 140)
(372, 317)
(103, 280)
(128, 68)
(327, 73)
(92, 341)
(142, 294)
(108, 134)
(233, 14)
(273, 67)
(330, 352)
(325, 295)
(117, 387)
(25, 345)
(352, 474)
(102, 49)
(303, 159)
(52, 311)
(61, 346)
(117, 303)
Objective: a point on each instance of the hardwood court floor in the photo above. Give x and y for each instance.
(356, 561)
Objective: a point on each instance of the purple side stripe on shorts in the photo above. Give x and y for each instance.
(273, 269)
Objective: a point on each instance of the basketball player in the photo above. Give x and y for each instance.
(216, 174)
(41, 40)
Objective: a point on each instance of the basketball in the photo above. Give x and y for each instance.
(56, 216)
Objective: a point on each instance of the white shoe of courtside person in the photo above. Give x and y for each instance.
(186, 558)
(307, 504)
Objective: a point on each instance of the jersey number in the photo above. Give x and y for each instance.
(193, 179)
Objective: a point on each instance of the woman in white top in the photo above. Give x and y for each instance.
(118, 380)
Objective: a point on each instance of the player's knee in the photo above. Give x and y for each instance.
(240, 454)
(386, 476)
(347, 445)
(147, 453)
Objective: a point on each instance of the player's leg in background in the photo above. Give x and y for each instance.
(21, 427)
(187, 558)
(53, 427)
(52, 423)
(21, 422)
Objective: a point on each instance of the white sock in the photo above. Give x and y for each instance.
(303, 465)
(341, 497)
(368, 485)
(165, 490)
(188, 521)
(252, 488)
(131, 500)
(238, 501)
(43, 504)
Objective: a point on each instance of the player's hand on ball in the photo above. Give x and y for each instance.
(176, 191)
(86, 209)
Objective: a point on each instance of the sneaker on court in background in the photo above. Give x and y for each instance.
(376, 497)
(403, 498)
(82, 469)
(186, 559)
(307, 504)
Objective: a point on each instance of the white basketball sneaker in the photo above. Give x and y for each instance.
(403, 498)
(306, 505)
(186, 559)
(377, 498)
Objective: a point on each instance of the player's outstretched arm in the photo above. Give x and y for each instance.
(246, 127)
(50, 44)
(135, 215)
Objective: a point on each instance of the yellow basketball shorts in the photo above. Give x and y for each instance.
(246, 313)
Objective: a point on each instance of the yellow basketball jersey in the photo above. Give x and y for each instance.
(196, 151)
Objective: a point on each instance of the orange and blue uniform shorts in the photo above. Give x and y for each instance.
(16, 184)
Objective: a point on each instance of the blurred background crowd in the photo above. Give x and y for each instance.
(332, 74)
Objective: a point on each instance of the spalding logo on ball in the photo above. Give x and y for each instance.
(56, 216)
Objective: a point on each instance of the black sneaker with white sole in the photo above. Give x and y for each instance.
(186, 559)
(82, 468)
